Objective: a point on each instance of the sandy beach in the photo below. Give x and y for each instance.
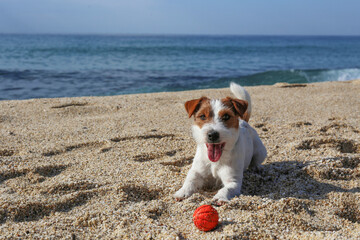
(106, 167)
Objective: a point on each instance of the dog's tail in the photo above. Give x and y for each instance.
(241, 94)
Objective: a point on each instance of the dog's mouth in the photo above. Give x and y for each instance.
(214, 151)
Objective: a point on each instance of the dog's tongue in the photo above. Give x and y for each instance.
(214, 151)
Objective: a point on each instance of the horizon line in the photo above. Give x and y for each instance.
(185, 34)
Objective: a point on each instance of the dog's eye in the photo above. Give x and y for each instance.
(202, 117)
(225, 117)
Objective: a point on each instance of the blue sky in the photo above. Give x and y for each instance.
(245, 17)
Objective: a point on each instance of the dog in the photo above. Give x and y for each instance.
(226, 145)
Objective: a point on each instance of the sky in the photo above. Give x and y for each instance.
(218, 17)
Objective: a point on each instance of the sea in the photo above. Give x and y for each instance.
(49, 66)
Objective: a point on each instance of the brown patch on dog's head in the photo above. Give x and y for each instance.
(201, 109)
(192, 106)
(229, 118)
(239, 107)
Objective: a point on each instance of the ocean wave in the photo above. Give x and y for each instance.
(23, 84)
(297, 76)
(260, 78)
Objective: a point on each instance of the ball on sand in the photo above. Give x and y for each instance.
(206, 218)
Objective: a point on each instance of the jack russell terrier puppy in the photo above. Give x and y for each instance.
(226, 144)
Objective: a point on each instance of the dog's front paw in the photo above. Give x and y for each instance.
(182, 193)
(225, 194)
(220, 200)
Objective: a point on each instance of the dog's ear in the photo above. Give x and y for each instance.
(193, 105)
(238, 106)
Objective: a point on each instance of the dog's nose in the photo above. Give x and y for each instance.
(213, 136)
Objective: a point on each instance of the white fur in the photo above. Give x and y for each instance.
(243, 148)
(241, 93)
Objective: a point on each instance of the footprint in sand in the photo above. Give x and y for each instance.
(336, 168)
(176, 166)
(301, 124)
(80, 109)
(262, 126)
(6, 153)
(153, 155)
(347, 206)
(148, 156)
(342, 145)
(135, 193)
(45, 171)
(289, 85)
(338, 126)
(104, 145)
(72, 104)
(21, 211)
(69, 195)
(141, 137)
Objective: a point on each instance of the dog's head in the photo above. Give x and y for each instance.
(216, 123)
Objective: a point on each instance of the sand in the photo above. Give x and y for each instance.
(106, 167)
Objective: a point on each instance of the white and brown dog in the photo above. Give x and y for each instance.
(226, 144)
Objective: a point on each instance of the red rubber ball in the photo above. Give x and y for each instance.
(206, 218)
